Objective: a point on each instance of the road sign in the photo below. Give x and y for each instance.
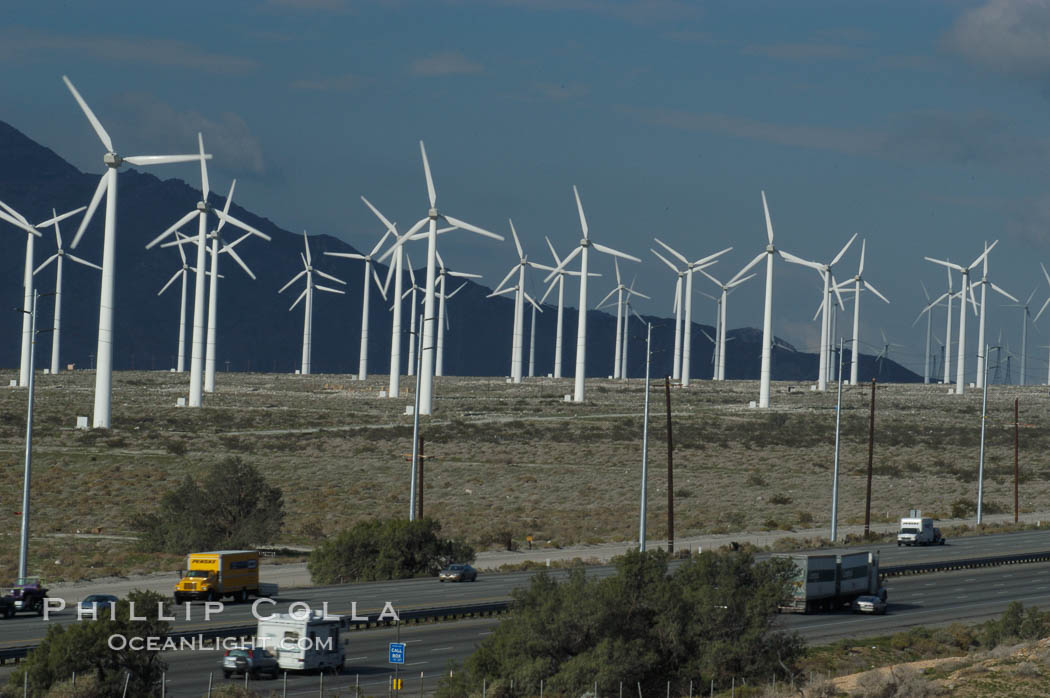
(397, 653)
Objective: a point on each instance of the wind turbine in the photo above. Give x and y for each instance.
(767, 315)
(676, 369)
(308, 293)
(108, 185)
(183, 270)
(619, 290)
(720, 343)
(412, 328)
(559, 281)
(581, 325)
(627, 293)
(396, 269)
(1041, 312)
(362, 361)
(1024, 334)
(426, 382)
(17, 219)
(965, 288)
(983, 282)
(884, 354)
(687, 338)
(859, 280)
(518, 330)
(201, 211)
(57, 258)
(439, 369)
(928, 311)
(825, 271)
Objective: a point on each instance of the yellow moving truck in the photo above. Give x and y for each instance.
(217, 574)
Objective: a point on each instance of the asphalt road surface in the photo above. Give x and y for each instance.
(965, 596)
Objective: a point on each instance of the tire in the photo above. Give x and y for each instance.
(212, 596)
(40, 607)
(243, 596)
(178, 599)
(226, 674)
(254, 674)
(898, 544)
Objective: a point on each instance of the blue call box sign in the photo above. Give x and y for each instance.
(397, 653)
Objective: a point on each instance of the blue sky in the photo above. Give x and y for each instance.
(918, 125)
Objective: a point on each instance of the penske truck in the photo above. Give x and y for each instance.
(218, 574)
(831, 582)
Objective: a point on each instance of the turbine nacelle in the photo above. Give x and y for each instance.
(770, 249)
(112, 160)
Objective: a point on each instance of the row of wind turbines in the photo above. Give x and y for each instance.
(204, 321)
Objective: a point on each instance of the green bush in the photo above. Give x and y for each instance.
(385, 549)
(232, 507)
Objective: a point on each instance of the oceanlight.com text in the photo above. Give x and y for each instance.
(156, 643)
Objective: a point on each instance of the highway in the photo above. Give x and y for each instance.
(966, 596)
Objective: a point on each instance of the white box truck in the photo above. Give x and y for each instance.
(303, 641)
(829, 582)
(918, 530)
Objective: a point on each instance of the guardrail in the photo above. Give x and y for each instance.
(371, 620)
(964, 564)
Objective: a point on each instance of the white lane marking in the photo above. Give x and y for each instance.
(486, 633)
(441, 649)
(415, 663)
(354, 659)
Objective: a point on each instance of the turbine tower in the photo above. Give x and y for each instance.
(687, 338)
(858, 281)
(108, 185)
(559, 281)
(581, 324)
(308, 294)
(396, 270)
(964, 290)
(182, 272)
(767, 315)
(984, 283)
(623, 293)
(362, 361)
(676, 368)
(1041, 311)
(720, 338)
(57, 258)
(518, 330)
(439, 365)
(1026, 313)
(426, 378)
(413, 288)
(15, 218)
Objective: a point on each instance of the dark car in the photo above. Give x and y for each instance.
(253, 661)
(458, 573)
(102, 603)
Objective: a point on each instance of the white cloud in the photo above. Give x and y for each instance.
(446, 63)
(335, 83)
(1011, 36)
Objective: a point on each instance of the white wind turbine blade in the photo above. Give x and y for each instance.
(925, 292)
(18, 216)
(984, 254)
(402, 239)
(632, 292)
(55, 219)
(86, 263)
(704, 332)
(329, 277)
(502, 292)
(528, 298)
(182, 252)
(550, 287)
(607, 297)
(379, 244)
(294, 279)
(665, 261)
(426, 170)
(820, 308)
(230, 245)
(389, 226)
(329, 290)
(708, 260)
(143, 160)
(95, 123)
(460, 288)
(758, 258)
(205, 187)
(708, 295)
(1002, 292)
(615, 253)
(226, 206)
(616, 266)
(843, 251)
(406, 293)
(375, 276)
(19, 223)
(769, 221)
(1041, 310)
(579, 207)
(179, 242)
(411, 273)
(876, 292)
(472, 228)
(237, 258)
(863, 245)
(798, 260)
(713, 278)
(1030, 297)
(306, 243)
(45, 263)
(301, 296)
(510, 274)
(733, 284)
(553, 253)
(537, 265)
(678, 255)
(464, 275)
(170, 281)
(227, 218)
(973, 300)
(677, 296)
(171, 229)
(517, 243)
(564, 262)
(950, 265)
(835, 288)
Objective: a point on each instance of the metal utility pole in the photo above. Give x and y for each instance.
(24, 551)
(670, 469)
(645, 444)
(419, 481)
(835, 481)
(871, 462)
(1017, 470)
(984, 420)
(415, 429)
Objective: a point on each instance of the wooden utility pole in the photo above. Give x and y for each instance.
(871, 461)
(1017, 469)
(670, 470)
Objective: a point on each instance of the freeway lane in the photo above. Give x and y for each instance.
(932, 600)
(428, 593)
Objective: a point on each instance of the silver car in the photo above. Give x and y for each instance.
(458, 573)
(869, 604)
(253, 661)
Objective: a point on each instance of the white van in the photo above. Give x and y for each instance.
(303, 642)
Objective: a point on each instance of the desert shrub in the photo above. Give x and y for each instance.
(963, 508)
(175, 447)
(779, 498)
(232, 442)
(385, 549)
(804, 517)
(895, 682)
(756, 480)
(232, 507)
